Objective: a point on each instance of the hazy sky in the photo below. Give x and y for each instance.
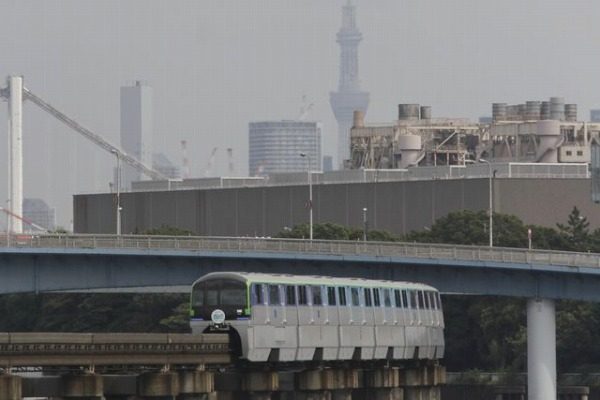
(216, 65)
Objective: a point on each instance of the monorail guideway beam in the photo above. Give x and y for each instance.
(541, 349)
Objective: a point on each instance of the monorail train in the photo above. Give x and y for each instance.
(287, 318)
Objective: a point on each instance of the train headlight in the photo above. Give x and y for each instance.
(217, 316)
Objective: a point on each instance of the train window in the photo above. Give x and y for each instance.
(413, 298)
(342, 296)
(428, 304)
(355, 298)
(368, 299)
(258, 294)
(397, 298)
(317, 295)
(421, 300)
(439, 301)
(290, 295)
(302, 298)
(376, 299)
(404, 299)
(331, 296)
(274, 295)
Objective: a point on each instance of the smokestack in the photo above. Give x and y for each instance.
(359, 119)
(185, 166)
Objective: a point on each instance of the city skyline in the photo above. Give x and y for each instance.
(215, 66)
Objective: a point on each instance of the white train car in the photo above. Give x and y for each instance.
(288, 318)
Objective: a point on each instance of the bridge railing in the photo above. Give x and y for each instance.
(320, 247)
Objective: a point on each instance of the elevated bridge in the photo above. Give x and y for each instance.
(126, 263)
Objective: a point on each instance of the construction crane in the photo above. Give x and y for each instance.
(97, 139)
(211, 161)
(28, 222)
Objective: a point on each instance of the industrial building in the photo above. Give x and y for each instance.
(595, 115)
(397, 201)
(276, 147)
(536, 131)
(136, 128)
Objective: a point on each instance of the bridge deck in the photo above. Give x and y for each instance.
(95, 349)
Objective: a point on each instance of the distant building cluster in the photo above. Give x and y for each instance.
(38, 212)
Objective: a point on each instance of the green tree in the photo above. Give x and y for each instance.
(576, 231)
(167, 230)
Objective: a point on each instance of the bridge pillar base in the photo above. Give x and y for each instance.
(541, 349)
(155, 386)
(82, 387)
(196, 385)
(10, 387)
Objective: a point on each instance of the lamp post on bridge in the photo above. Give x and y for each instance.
(310, 197)
(491, 204)
(118, 183)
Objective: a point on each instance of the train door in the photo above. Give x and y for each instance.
(398, 333)
(368, 327)
(346, 328)
(260, 337)
(330, 328)
(276, 335)
(306, 324)
(287, 352)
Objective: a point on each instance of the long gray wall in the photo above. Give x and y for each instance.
(398, 207)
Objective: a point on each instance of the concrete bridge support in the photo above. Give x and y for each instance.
(196, 385)
(260, 385)
(158, 386)
(82, 387)
(541, 349)
(10, 387)
(327, 384)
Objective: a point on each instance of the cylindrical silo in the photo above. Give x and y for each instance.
(410, 148)
(426, 112)
(557, 108)
(359, 119)
(499, 112)
(409, 112)
(549, 133)
(545, 110)
(533, 110)
(571, 112)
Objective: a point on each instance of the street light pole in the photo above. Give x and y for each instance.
(118, 192)
(310, 196)
(491, 205)
(365, 224)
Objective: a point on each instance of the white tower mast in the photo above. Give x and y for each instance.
(15, 153)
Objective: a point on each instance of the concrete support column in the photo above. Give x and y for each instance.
(384, 384)
(327, 384)
(163, 386)
(10, 387)
(84, 387)
(196, 385)
(260, 385)
(541, 349)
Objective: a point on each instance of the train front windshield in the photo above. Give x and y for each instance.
(224, 294)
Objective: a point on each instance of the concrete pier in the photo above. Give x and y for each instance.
(155, 386)
(10, 387)
(196, 385)
(82, 387)
(327, 384)
(541, 349)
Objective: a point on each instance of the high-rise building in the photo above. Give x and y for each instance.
(595, 115)
(349, 97)
(38, 212)
(276, 146)
(136, 128)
